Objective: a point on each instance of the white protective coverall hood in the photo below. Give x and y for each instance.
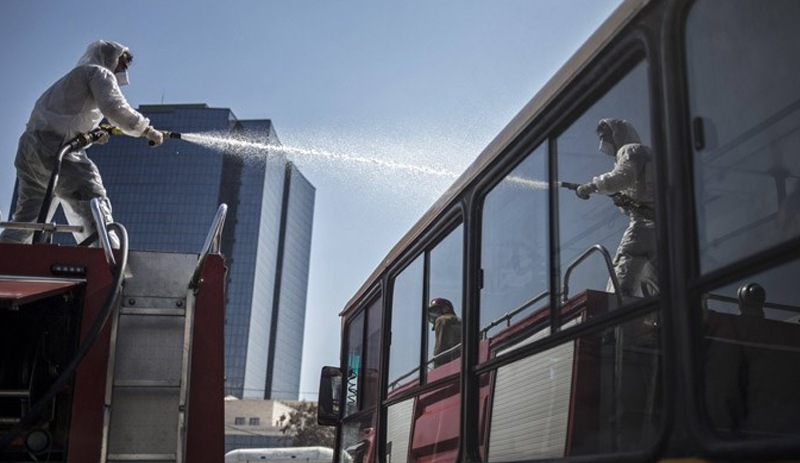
(77, 102)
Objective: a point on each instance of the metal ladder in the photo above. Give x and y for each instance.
(150, 361)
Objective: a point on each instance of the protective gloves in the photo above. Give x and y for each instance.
(155, 137)
(583, 191)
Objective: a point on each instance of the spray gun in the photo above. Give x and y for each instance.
(85, 139)
(97, 133)
(620, 200)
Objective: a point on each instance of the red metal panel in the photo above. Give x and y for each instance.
(89, 385)
(436, 425)
(206, 434)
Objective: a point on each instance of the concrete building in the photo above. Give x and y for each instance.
(167, 197)
(255, 424)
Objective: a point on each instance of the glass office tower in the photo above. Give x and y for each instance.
(167, 197)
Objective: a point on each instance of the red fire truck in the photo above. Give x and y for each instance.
(111, 354)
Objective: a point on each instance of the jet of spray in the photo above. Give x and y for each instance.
(254, 149)
(261, 149)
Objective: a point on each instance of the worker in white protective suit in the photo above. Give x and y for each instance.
(75, 104)
(630, 185)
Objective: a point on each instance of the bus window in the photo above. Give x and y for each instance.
(607, 152)
(752, 341)
(514, 246)
(358, 440)
(745, 109)
(355, 355)
(361, 383)
(600, 392)
(404, 352)
(374, 348)
(445, 310)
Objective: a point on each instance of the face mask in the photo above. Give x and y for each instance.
(122, 78)
(433, 314)
(607, 148)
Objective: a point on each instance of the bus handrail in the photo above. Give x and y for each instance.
(611, 273)
(513, 313)
(211, 245)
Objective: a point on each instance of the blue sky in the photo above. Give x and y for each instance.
(418, 82)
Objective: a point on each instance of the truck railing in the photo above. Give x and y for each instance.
(609, 266)
(50, 228)
(513, 313)
(212, 245)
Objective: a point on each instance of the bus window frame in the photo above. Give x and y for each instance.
(447, 223)
(688, 327)
(373, 296)
(630, 48)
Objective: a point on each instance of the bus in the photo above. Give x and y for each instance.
(657, 320)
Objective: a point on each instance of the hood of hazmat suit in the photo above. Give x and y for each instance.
(77, 102)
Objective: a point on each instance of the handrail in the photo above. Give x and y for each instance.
(441, 354)
(509, 315)
(50, 227)
(396, 382)
(612, 274)
(102, 231)
(211, 245)
(431, 360)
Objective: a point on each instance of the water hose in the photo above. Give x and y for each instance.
(79, 142)
(86, 345)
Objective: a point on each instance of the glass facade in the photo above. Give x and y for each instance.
(167, 198)
(289, 313)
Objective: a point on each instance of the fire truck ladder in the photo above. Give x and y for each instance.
(147, 389)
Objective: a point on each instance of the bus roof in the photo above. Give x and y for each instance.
(621, 16)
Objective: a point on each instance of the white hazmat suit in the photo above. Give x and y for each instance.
(75, 104)
(631, 180)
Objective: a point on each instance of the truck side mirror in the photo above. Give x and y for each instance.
(330, 393)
